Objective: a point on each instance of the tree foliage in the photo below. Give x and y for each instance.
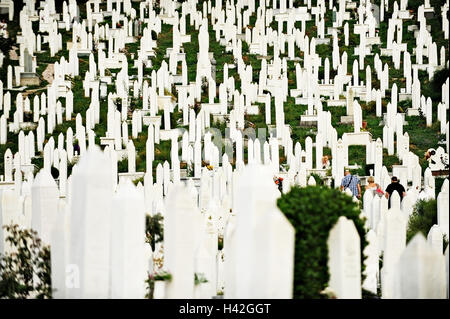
(423, 217)
(25, 270)
(155, 229)
(313, 211)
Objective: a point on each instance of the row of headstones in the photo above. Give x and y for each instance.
(44, 192)
(408, 89)
(64, 230)
(298, 160)
(428, 118)
(182, 259)
(387, 231)
(391, 143)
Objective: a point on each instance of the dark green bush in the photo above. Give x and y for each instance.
(424, 216)
(122, 166)
(29, 259)
(313, 211)
(438, 80)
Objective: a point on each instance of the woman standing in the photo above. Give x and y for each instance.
(373, 187)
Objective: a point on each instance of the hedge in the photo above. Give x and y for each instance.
(313, 211)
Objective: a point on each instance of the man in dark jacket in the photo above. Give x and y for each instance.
(394, 186)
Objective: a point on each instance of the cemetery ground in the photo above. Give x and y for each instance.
(322, 228)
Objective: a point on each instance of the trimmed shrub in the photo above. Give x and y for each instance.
(313, 211)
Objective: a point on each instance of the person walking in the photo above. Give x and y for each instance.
(394, 186)
(373, 187)
(351, 182)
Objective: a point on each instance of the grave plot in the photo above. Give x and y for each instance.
(172, 149)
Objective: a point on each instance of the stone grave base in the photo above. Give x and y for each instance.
(341, 102)
(301, 100)
(183, 173)
(163, 100)
(322, 41)
(221, 118)
(404, 14)
(212, 107)
(130, 176)
(412, 112)
(28, 125)
(260, 57)
(374, 40)
(5, 185)
(347, 119)
(386, 52)
(107, 141)
(404, 96)
(330, 30)
(308, 120)
(293, 92)
(155, 120)
(358, 138)
(354, 166)
(61, 25)
(177, 79)
(29, 79)
(253, 110)
(166, 135)
(403, 118)
(261, 99)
